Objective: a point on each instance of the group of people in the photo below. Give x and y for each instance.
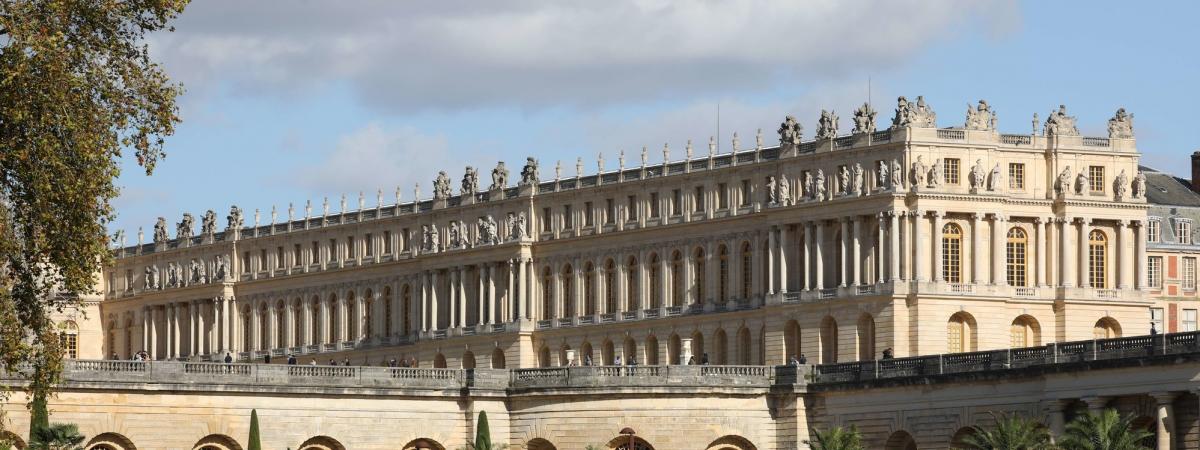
(140, 355)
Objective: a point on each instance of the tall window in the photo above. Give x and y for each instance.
(351, 249)
(405, 309)
(746, 192)
(1183, 231)
(279, 257)
(950, 172)
(723, 276)
(1156, 319)
(677, 289)
(69, 338)
(1098, 259)
(631, 284)
(547, 294)
(1016, 176)
(654, 204)
(1154, 230)
(722, 196)
(296, 259)
(746, 276)
(610, 211)
(698, 276)
(960, 333)
(676, 202)
(333, 253)
(1025, 332)
(1096, 178)
(698, 198)
(1154, 265)
(588, 219)
(387, 242)
(568, 292)
(1189, 273)
(567, 216)
(1016, 251)
(632, 207)
(589, 290)
(610, 284)
(952, 236)
(388, 329)
(655, 282)
(369, 243)
(1189, 320)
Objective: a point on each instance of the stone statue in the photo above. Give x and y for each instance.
(827, 126)
(881, 176)
(343, 204)
(645, 156)
(441, 186)
(1120, 126)
(172, 275)
(183, 232)
(578, 167)
(856, 180)
(557, 170)
(785, 191)
(808, 186)
(362, 204)
(864, 120)
(981, 117)
(429, 240)
(1081, 182)
(1060, 124)
(844, 180)
(220, 268)
(758, 138)
(935, 174)
(599, 163)
(156, 282)
(1035, 124)
(160, 231)
(897, 180)
(772, 195)
(687, 151)
(487, 231)
(916, 176)
(1139, 185)
(1121, 185)
(667, 152)
(733, 145)
(499, 176)
(470, 182)
(140, 237)
(208, 225)
(521, 230)
(1063, 183)
(712, 144)
(529, 173)
(977, 177)
(456, 238)
(909, 114)
(790, 131)
(621, 160)
(148, 279)
(195, 272)
(996, 179)
(819, 186)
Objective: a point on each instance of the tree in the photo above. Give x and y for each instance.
(39, 418)
(1104, 431)
(77, 89)
(253, 443)
(1010, 432)
(59, 436)
(483, 436)
(837, 438)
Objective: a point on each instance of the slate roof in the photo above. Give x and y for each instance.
(1167, 190)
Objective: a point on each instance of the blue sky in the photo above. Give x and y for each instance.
(294, 101)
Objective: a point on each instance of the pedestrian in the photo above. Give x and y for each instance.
(346, 362)
(803, 359)
(392, 363)
(291, 359)
(228, 358)
(114, 356)
(887, 353)
(267, 358)
(1153, 331)
(587, 360)
(632, 360)
(332, 362)
(704, 359)
(312, 362)
(794, 362)
(691, 360)
(617, 360)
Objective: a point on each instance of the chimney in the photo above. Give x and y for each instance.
(1196, 171)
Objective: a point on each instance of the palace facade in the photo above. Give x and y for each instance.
(917, 239)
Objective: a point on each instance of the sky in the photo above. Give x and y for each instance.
(295, 101)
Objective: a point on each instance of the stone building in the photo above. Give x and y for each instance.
(1172, 247)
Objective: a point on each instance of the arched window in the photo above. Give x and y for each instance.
(314, 328)
(369, 311)
(791, 340)
(1106, 328)
(631, 284)
(866, 337)
(655, 282)
(589, 290)
(280, 320)
(568, 291)
(829, 340)
(1015, 253)
(264, 328)
(69, 338)
(1025, 332)
(247, 330)
(698, 276)
(388, 326)
(952, 236)
(720, 347)
(610, 284)
(547, 295)
(746, 271)
(351, 314)
(652, 351)
(960, 333)
(335, 328)
(723, 277)
(297, 325)
(1098, 260)
(677, 279)
(406, 309)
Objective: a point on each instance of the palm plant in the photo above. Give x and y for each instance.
(836, 438)
(58, 436)
(1010, 432)
(1107, 430)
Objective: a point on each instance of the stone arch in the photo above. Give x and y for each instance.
(606, 352)
(698, 347)
(731, 442)
(962, 333)
(423, 443)
(900, 440)
(743, 346)
(720, 347)
(1025, 332)
(791, 340)
(217, 442)
(12, 439)
(829, 340)
(468, 360)
(630, 350)
(566, 300)
(652, 351)
(439, 361)
(586, 356)
(564, 356)
(1106, 327)
(959, 439)
(622, 443)
(699, 270)
(866, 337)
(544, 356)
(539, 444)
(498, 361)
(321, 443)
(110, 441)
(368, 316)
(678, 289)
(675, 350)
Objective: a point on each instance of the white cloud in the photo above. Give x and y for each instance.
(377, 157)
(404, 56)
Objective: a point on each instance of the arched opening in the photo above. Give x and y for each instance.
(547, 294)
(959, 440)
(1098, 260)
(791, 340)
(297, 322)
(675, 350)
(589, 290)
(247, 329)
(866, 337)
(498, 361)
(567, 280)
(585, 354)
(468, 360)
(747, 271)
(655, 282)
(332, 316)
(539, 444)
(406, 310)
(423, 443)
(631, 284)
(321, 443)
(1016, 252)
(677, 290)
(630, 349)
(439, 361)
(723, 274)
(351, 312)
(68, 336)
(217, 442)
(952, 236)
(606, 353)
(731, 442)
(110, 441)
(829, 340)
(720, 347)
(652, 350)
(745, 355)
(314, 311)
(388, 326)
(629, 443)
(961, 333)
(564, 356)
(1106, 328)
(280, 330)
(544, 357)
(368, 312)
(8, 437)
(901, 440)
(1025, 332)
(610, 287)
(698, 273)
(699, 350)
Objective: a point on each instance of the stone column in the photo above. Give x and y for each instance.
(453, 294)
(920, 251)
(881, 257)
(664, 284)
(785, 258)
(527, 288)
(1139, 240)
(510, 295)
(424, 302)
(1056, 420)
(226, 321)
(168, 315)
(255, 328)
(462, 296)
(193, 329)
(1124, 262)
(843, 247)
(153, 348)
(273, 323)
(807, 276)
(145, 328)
(492, 314)
(856, 250)
(434, 322)
(1066, 267)
(818, 258)
(999, 248)
(360, 311)
(1164, 420)
(306, 323)
(938, 249)
(1042, 258)
(200, 331)
(772, 256)
(894, 255)
(977, 272)
(1084, 223)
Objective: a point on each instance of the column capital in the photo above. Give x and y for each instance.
(999, 217)
(1122, 223)
(917, 213)
(977, 216)
(937, 213)
(1038, 220)
(1085, 221)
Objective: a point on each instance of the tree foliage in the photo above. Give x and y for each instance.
(77, 90)
(1010, 432)
(836, 438)
(59, 436)
(483, 435)
(254, 442)
(1107, 430)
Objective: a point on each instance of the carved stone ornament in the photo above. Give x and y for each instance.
(208, 225)
(914, 114)
(819, 186)
(997, 178)
(784, 192)
(1063, 183)
(1121, 186)
(772, 195)
(897, 181)
(827, 125)
(935, 174)
(1120, 126)
(881, 175)
(529, 173)
(160, 231)
(790, 131)
(1139, 185)
(441, 186)
(977, 178)
(499, 176)
(470, 181)
(981, 117)
(856, 180)
(864, 120)
(1060, 124)
(916, 176)
(234, 219)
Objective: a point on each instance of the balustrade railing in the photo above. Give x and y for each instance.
(1096, 141)
(957, 135)
(1016, 139)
